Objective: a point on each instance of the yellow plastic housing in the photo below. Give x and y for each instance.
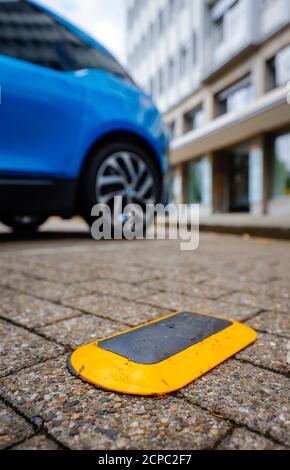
(113, 372)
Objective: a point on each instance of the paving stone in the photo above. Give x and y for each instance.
(188, 288)
(242, 439)
(235, 312)
(72, 269)
(219, 308)
(262, 301)
(278, 289)
(83, 417)
(38, 442)
(172, 301)
(31, 312)
(234, 284)
(78, 270)
(129, 274)
(82, 330)
(175, 273)
(248, 395)
(20, 348)
(122, 290)
(25, 284)
(13, 428)
(119, 310)
(268, 351)
(272, 322)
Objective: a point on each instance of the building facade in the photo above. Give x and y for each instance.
(219, 70)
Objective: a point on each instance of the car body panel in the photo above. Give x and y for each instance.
(40, 119)
(49, 120)
(113, 105)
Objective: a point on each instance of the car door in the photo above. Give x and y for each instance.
(40, 118)
(41, 103)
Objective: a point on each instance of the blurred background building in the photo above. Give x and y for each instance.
(218, 70)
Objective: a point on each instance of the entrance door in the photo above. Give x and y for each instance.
(239, 183)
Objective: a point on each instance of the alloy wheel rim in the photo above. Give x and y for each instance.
(127, 175)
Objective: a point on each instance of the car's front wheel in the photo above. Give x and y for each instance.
(124, 170)
(24, 224)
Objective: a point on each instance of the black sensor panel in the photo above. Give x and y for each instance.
(159, 341)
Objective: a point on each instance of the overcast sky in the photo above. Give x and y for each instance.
(104, 19)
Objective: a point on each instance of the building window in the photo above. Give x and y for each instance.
(236, 97)
(171, 129)
(161, 81)
(194, 119)
(134, 12)
(183, 61)
(152, 35)
(171, 71)
(161, 22)
(171, 10)
(279, 68)
(154, 86)
(219, 33)
(281, 166)
(151, 86)
(229, 26)
(182, 4)
(194, 49)
(194, 182)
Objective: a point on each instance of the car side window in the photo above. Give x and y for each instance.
(30, 34)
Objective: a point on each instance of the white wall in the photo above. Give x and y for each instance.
(177, 34)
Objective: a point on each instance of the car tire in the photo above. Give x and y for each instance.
(124, 169)
(24, 224)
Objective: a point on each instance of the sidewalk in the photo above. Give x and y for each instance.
(57, 295)
(246, 224)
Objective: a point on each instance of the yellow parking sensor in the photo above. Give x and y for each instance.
(161, 356)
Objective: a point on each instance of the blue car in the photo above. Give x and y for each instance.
(75, 130)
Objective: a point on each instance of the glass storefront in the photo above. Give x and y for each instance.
(238, 171)
(194, 183)
(199, 182)
(280, 166)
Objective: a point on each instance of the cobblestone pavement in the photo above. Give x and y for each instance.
(58, 293)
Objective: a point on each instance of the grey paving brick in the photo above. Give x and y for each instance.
(178, 274)
(268, 351)
(248, 395)
(219, 308)
(189, 288)
(13, 428)
(31, 312)
(127, 312)
(38, 442)
(259, 301)
(242, 439)
(272, 322)
(20, 348)
(49, 290)
(278, 289)
(82, 330)
(122, 290)
(129, 274)
(83, 417)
